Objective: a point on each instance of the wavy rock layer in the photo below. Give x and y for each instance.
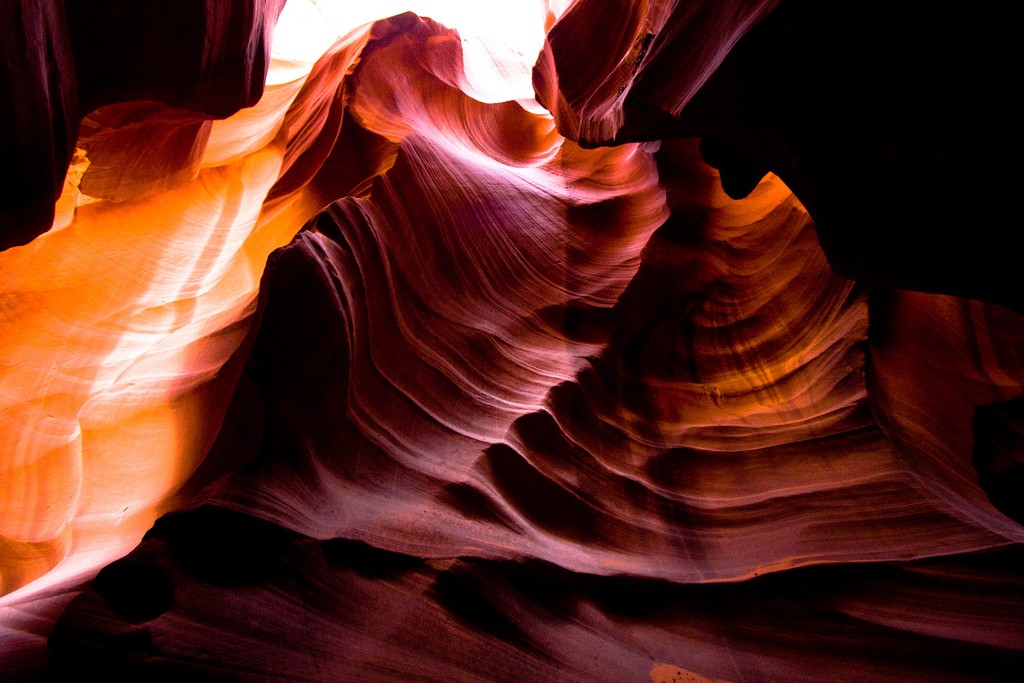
(507, 407)
(297, 609)
(61, 61)
(826, 98)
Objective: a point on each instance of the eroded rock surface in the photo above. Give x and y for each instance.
(350, 360)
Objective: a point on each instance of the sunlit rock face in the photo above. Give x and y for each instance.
(371, 366)
(64, 60)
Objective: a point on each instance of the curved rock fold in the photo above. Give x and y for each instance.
(336, 353)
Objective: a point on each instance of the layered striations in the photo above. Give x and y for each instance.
(436, 381)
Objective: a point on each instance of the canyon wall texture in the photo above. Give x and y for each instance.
(653, 341)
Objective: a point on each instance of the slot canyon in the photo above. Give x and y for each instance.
(527, 340)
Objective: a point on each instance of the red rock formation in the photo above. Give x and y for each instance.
(886, 121)
(433, 383)
(61, 61)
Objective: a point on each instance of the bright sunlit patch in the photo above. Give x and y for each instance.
(116, 326)
(500, 39)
